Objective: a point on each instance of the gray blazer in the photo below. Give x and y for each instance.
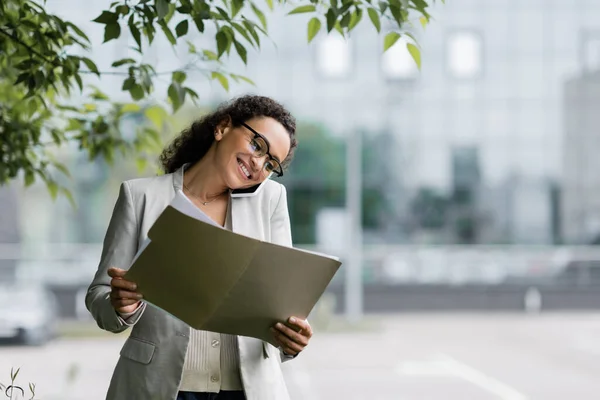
(151, 361)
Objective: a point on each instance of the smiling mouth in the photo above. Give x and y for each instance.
(244, 169)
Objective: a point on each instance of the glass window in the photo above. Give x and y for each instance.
(397, 63)
(334, 56)
(591, 52)
(464, 55)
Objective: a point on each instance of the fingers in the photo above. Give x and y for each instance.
(118, 304)
(119, 283)
(114, 272)
(302, 324)
(288, 345)
(125, 294)
(298, 337)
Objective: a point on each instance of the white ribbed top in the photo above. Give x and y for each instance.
(212, 361)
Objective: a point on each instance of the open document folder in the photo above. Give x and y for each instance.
(216, 280)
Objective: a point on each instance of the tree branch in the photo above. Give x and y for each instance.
(28, 47)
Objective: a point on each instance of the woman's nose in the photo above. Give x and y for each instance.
(258, 163)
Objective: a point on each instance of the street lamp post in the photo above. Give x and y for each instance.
(354, 289)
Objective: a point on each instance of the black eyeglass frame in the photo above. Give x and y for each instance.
(279, 172)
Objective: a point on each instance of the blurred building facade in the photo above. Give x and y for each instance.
(580, 183)
(492, 80)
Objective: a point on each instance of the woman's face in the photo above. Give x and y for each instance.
(239, 154)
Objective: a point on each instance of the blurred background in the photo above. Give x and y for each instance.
(463, 199)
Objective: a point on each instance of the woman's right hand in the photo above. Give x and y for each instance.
(123, 295)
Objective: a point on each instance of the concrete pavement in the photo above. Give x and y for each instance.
(407, 357)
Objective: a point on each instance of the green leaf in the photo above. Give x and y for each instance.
(236, 6)
(179, 76)
(123, 61)
(270, 4)
(199, 23)
(331, 20)
(79, 82)
(237, 78)
(141, 164)
(222, 79)
(78, 31)
(211, 55)
(176, 95)
(171, 13)
(156, 115)
(128, 83)
(242, 30)
(374, 16)
(222, 42)
(52, 188)
(415, 53)
(162, 8)
(74, 125)
(135, 32)
(303, 9)
(97, 94)
(346, 20)
(130, 108)
(390, 39)
(107, 17)
(397, 14)
(314, 26)
(123, 9)
(192, 94)
(410, 35)
(29, 177)
(260, 15)
(339, 28)
(62, 168)
(90, 107)
(242, 52)
(136, 91)
(182, 28)
(112, 31)
(167, 31)
(355, 19)
(69, 197)
(90, 65)
(252, 30)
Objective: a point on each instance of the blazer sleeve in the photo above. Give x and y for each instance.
(281, 230)
(119, 248)
(281, 233)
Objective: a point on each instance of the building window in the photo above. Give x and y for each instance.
(591, 51)
(397, 63)
(334, 56)
(464, 55)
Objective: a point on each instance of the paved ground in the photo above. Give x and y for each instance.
(409, 357)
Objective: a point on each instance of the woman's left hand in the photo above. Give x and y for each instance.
(293, 341)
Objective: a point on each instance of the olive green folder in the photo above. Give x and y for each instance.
(220, 281)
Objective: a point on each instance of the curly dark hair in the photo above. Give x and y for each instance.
(193, 143)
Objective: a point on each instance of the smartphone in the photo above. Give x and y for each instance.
(250, 191)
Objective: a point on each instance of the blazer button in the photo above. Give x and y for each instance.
(214, 378)
(215, 343)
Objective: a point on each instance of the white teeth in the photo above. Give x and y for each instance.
(243, 167)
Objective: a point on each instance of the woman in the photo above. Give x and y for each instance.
(237, 147)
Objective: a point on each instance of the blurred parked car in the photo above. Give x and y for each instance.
(28, 314)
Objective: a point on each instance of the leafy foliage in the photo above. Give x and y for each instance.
(47, 104)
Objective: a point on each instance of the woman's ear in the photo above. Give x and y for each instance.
(222, 128)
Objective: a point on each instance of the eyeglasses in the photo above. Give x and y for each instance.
(260, 148)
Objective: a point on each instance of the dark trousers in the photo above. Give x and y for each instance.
(223, 395)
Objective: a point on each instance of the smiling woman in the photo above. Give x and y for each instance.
(234, 149)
